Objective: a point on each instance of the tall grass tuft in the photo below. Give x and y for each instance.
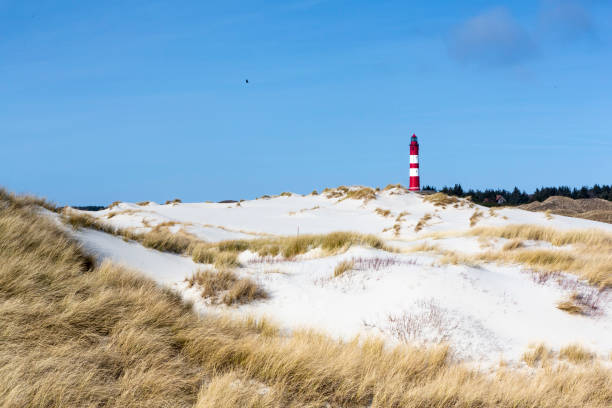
(440, 199)
(343, 267)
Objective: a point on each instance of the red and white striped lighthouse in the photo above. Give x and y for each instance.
(415, 184)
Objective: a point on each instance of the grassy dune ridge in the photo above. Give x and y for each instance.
(77, 334)
(590, 255)
(225, 252)
(586, 253)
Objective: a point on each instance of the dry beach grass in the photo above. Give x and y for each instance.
(79, 334)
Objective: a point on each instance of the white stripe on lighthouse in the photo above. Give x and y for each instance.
(414, 158)
(414, 172)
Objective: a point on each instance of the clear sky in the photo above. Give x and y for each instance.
(147, 100)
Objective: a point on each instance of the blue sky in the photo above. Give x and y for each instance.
(147, 100)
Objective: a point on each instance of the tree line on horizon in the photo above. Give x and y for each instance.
(518, 197)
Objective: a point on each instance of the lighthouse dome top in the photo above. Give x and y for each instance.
(413, 138)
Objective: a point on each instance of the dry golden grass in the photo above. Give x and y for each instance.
(397, 228)
(143, 203)
(475, 217)
(225, 286)
(226, 259)
(121, 212)
(513, 244)
(74, 334)
(425, 247)
(592, 238)
(285, 194)
(20, 201)
(570, 307)
(590, 256)
(175, 201)
(440, 199)
(537, 354)
(244, 290)
(364, 193)
(203, 254)
(383, 212)
(396, 189)
(225, 253)
(400, 216)
(343, 266)
(422, 222)
(233, 390)
(576, 354)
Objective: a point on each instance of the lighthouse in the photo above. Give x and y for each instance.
(415, 184)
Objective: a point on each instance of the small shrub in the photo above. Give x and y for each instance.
(175, 201)
(428, 322)
(285, 194)
(343, 267)
(314, 193)
(143, 203)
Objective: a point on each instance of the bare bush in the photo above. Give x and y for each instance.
(428, 322)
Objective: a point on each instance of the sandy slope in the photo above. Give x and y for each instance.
(486, 312)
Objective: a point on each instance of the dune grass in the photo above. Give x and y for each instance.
(590, 256)
(576, 353)
(224, 253)
(224, 286)
(538, 354)
(383, 212)
(422, 222)
(513, 244)
(588, 237)
(440, 199)
(476, 216)
(343, 267)
(77, 334)
(570, 307)
(364, 193)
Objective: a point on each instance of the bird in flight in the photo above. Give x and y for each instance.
(246, 80)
